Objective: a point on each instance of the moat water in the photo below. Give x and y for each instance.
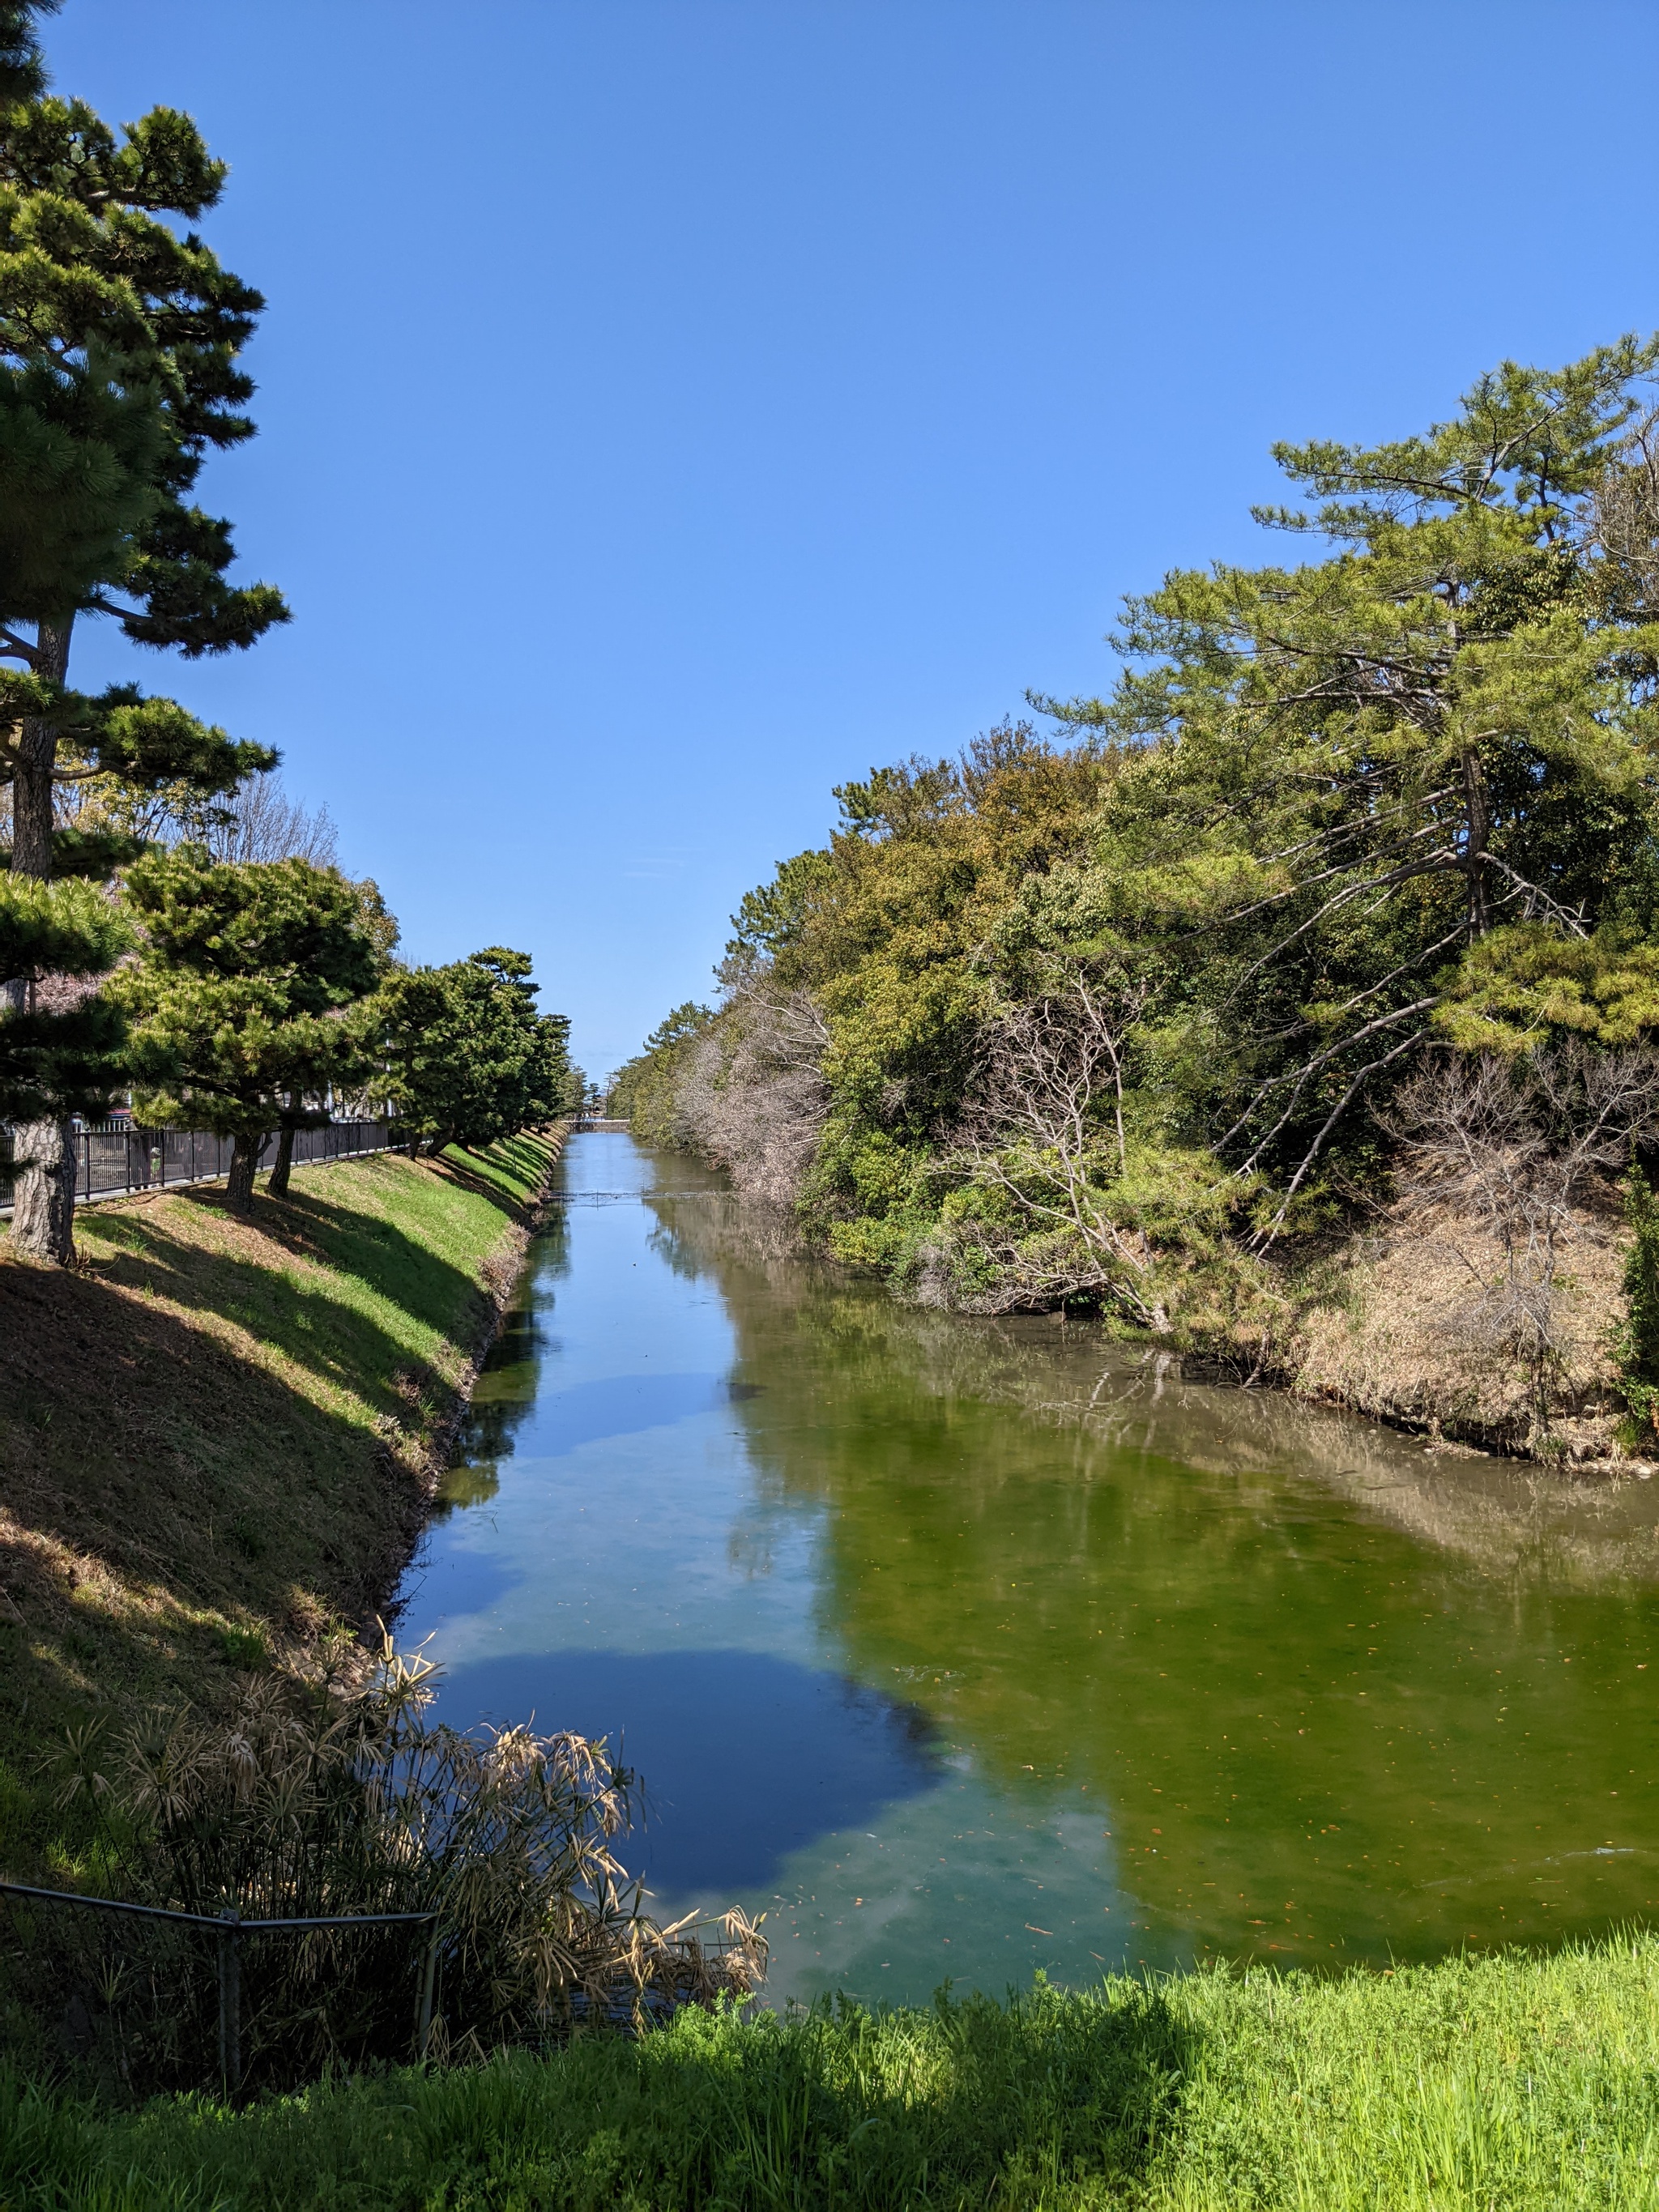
(962, 1647)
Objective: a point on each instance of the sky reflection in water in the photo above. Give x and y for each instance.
(959, 1660)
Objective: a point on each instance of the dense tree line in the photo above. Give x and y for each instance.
(468, 1056)
(169, 924)
(1086, 1014)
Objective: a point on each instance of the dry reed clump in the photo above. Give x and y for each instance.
(328, 1792)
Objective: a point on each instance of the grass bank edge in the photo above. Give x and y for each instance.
(222, 1436)
(1514, 2079)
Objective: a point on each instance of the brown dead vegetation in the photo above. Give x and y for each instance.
(326, 1791)
(1486, 1306)
(751, 1094)
(1423, 1333)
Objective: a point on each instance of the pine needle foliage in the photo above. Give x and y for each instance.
(251, 1000)
(62, 1056)
(120, 333)
(468, 1060)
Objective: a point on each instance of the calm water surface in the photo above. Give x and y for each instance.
(966, 1648)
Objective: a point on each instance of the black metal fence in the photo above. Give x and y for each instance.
(146, 1999)
(117, 1157)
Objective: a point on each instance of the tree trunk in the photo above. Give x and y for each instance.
(37, 756)
(277, 1187)
(244, 1159)
(42, 1152)
(1477, 823)
(44, 1155)
(44, 1159)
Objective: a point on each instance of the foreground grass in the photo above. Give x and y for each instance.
(1506, 2081)
(214, 1433)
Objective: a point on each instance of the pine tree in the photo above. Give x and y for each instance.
(469, 1059)
(59, 1051)
(119, 346)
(254, 998)
(1338, 780)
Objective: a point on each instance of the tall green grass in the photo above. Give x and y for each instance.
(1526, 2084)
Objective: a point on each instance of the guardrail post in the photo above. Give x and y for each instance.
(230, 2002)
(228, 1929)
(429, 1976)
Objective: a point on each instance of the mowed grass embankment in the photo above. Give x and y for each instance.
(216, 1433)
(1528, 2084)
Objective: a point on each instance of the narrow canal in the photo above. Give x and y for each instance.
(965, 1648)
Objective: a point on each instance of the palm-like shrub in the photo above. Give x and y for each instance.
(330, 1791)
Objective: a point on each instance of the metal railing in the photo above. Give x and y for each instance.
(91, 1985)
(116, 1158)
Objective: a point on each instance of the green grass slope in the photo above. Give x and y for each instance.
(215, 1432)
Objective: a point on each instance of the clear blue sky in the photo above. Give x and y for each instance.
(670, 409)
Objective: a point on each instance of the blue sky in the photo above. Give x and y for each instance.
(671, 408)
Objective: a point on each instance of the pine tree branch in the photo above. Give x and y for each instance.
(1311, 883)
(1301, 1076)
(1434, 864)
(1405, 968)
(1373, 1067)
(1564, 915)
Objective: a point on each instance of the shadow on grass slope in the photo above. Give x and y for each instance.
(1526, 2084)
(214, 1433)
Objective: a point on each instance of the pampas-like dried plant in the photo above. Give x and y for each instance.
(329, 1792)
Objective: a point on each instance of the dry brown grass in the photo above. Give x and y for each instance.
(1412, 1338)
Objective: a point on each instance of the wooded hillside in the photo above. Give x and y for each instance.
(1335, 915)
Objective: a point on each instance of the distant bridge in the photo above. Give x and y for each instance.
(598, 1122)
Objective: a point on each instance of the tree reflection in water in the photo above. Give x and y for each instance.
(1338, 1695)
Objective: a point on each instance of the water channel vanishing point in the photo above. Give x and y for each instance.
(964, 1648)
